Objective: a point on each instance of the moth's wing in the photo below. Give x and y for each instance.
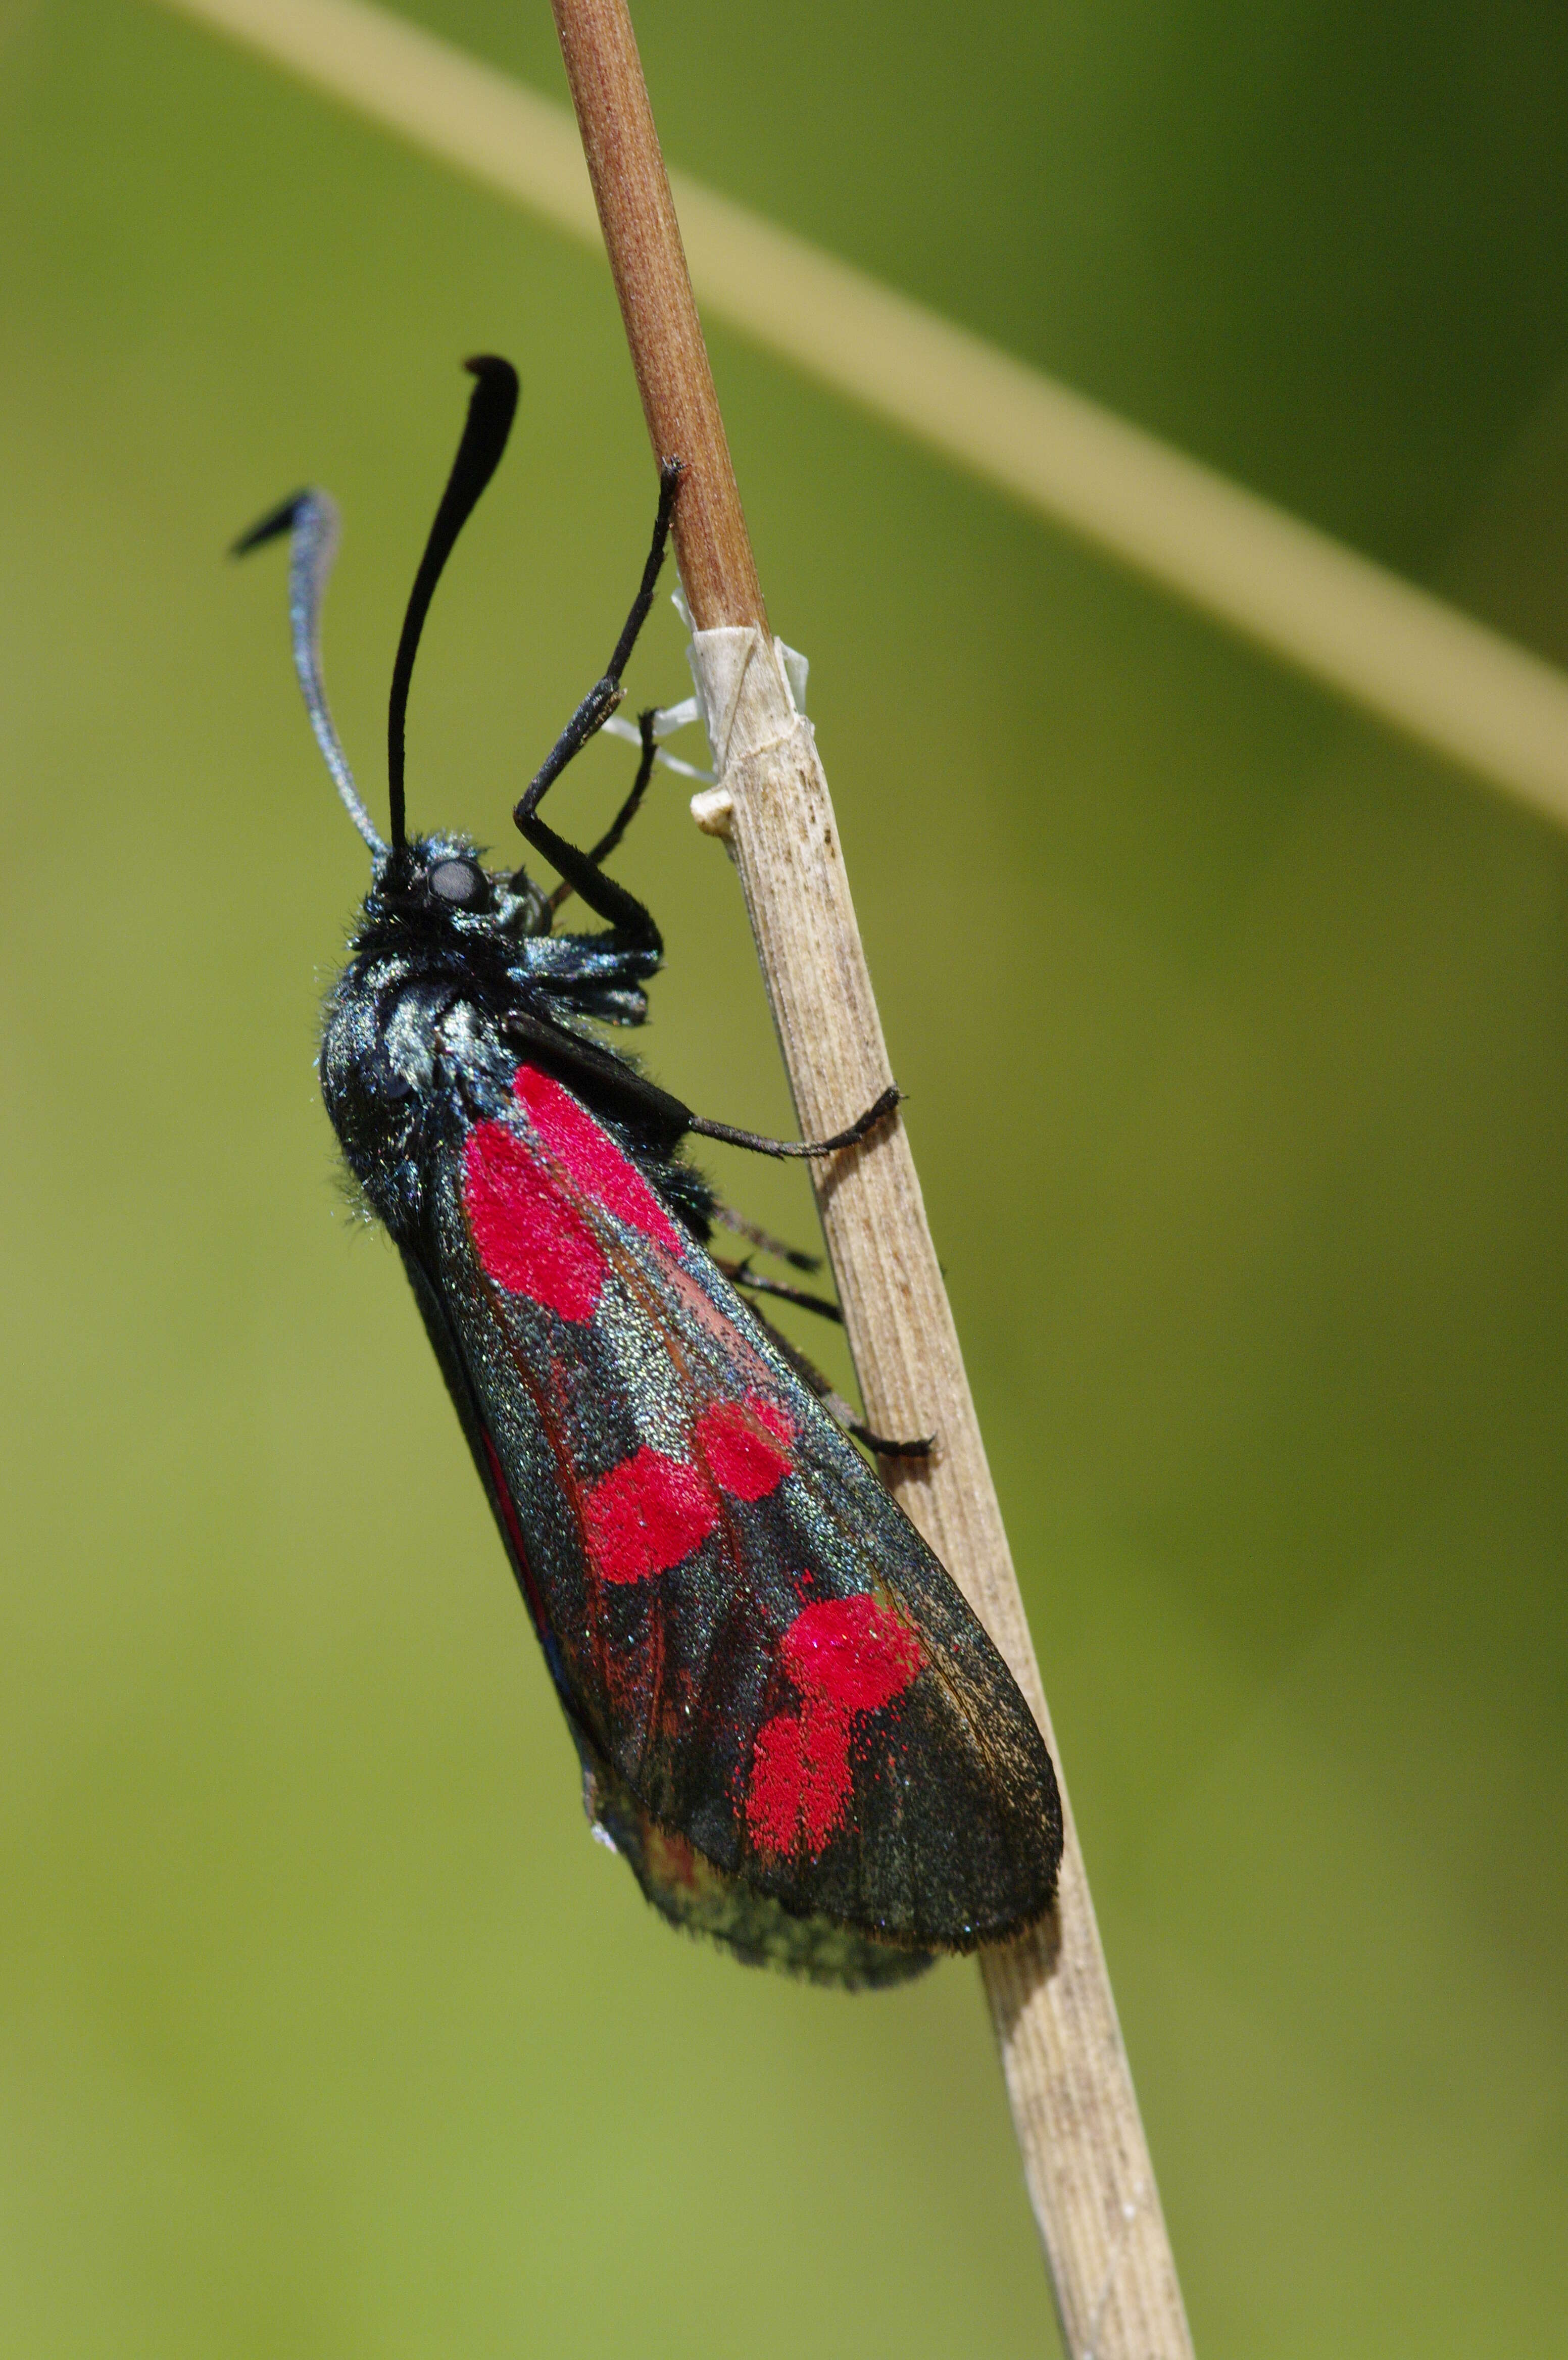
(694, 1893)
(761, 1656)
(685, 1887)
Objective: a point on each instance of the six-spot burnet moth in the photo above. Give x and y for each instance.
(789, 1720)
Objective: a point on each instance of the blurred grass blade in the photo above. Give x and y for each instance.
(1415, 664)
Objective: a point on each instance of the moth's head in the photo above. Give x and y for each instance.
(436, 879)
(439, 886)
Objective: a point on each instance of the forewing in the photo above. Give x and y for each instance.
(743, 1624)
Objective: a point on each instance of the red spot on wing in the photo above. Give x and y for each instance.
(847, 1656)
(800, 1779)
(744, 1445)
(850, 1651)
(590, 1155)
(530, 1236)
(651, 1511)
(645, 1515)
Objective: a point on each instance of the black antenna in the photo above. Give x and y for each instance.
(491, 408)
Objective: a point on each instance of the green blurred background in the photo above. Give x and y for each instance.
(1237, 1041)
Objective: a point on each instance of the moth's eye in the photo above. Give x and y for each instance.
(461, 882)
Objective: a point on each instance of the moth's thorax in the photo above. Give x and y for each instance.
(414, 1045)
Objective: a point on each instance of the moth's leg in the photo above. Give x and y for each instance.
(636, 1091)
(579, 868)
(742, 1275)
(753, 1139)
(605, 694)
(727, 1218)
(633, 1091)
(833, 1401)
(624, 816)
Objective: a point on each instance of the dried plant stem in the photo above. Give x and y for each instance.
(1076, 2119)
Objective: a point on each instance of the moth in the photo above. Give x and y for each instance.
(789, 1721)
